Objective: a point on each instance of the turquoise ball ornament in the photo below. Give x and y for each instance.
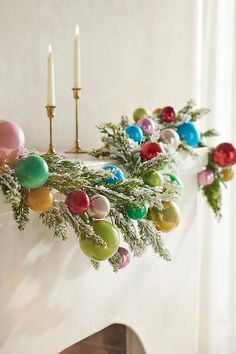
(189, 133)
(175, 179)
(109, 234)
(137, 213)
(32, 172)
(135, 133)
(118, 174)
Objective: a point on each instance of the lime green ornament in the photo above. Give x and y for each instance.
(175, 179)
(140, 113)
(137, 213)
(153, 179)
(109, 234)
(32, 172)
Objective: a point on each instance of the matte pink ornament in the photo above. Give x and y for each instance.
(147, 125)
(12, 141)
(205, 178)
(125, 257)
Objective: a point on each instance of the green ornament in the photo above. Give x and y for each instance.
(109, 234)
(175, 179)
(32, 172)
(153, 179)
(140, 113)
(138, 213)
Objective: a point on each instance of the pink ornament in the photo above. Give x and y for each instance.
(125, 257)
(205, 178)
(147, 125)
(99, 207)
(170, 136)
(12, 141)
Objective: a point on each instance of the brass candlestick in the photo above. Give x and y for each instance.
(76, 149)
(51, 113)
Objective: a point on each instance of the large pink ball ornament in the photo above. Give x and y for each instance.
(147, 125)
(205, 177)
(12, 141)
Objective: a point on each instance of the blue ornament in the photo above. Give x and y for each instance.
(189, 133)
(135, 133)
(118, 174)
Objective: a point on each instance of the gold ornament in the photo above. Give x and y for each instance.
(227, 174)
(40, 199)
(166, 219)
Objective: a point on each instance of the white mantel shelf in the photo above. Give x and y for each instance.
(51, 297)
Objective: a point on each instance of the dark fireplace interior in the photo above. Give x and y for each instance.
(111, 340)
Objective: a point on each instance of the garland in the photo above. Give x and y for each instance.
(176, 131)
(101, 205)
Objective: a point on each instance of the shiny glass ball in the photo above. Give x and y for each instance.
(188, 132)
(137, 213)
(40, 200)
(224, 155)
(135, 133)
(168, 114)
(140, 113)
(153, 179)
(77, 202)
(99, 207)
(151, 150)
(166, 219)
(118, 174)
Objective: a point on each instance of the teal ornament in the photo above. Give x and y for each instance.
(32, 172)
(118, 174)
(175, 179)
(137, 213)
(189, 133)
(135, 133)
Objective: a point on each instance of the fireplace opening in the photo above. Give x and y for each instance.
(115, 339)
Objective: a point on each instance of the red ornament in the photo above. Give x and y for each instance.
(168, 114)
(224, 155)
(77, 202)
(151, 150)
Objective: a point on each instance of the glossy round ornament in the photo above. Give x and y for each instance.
(118, 174)
(153, 179)
(151, 150)
(227, 174)
(140, 113)
(135, 133)
(32, 171)
(170, 137)
(175, 179)
(188, 132)
(99, 207)
(137, 213)
(125, 257)
(168, 114)
(167, 219)
(12, 141)
(147, 125)
(157, 111)
(205, 177)
(77, 202)
(224, 155)
(40, 200)
(109, 234)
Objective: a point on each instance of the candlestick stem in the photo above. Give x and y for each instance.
(76, 149)
(51, 113)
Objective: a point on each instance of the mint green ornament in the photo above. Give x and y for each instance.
(153, 179)
(140, 113)
(137, 213)
(32, 172)
(109, 234)
(175, 179)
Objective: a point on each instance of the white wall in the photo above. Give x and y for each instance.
(134, 53)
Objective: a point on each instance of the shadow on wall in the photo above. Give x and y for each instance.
(115, 339)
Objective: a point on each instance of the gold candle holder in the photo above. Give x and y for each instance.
(76, 149)
(51, 110)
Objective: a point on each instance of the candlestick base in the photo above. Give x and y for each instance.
(51, 110)
(76, 149)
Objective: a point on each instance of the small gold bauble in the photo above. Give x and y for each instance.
(227, 174)
(40, 199)
(166, 219)
(157, 111)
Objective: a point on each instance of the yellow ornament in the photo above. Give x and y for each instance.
(166, 219)
(40, 199)
(157, 111)
(227, 174)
